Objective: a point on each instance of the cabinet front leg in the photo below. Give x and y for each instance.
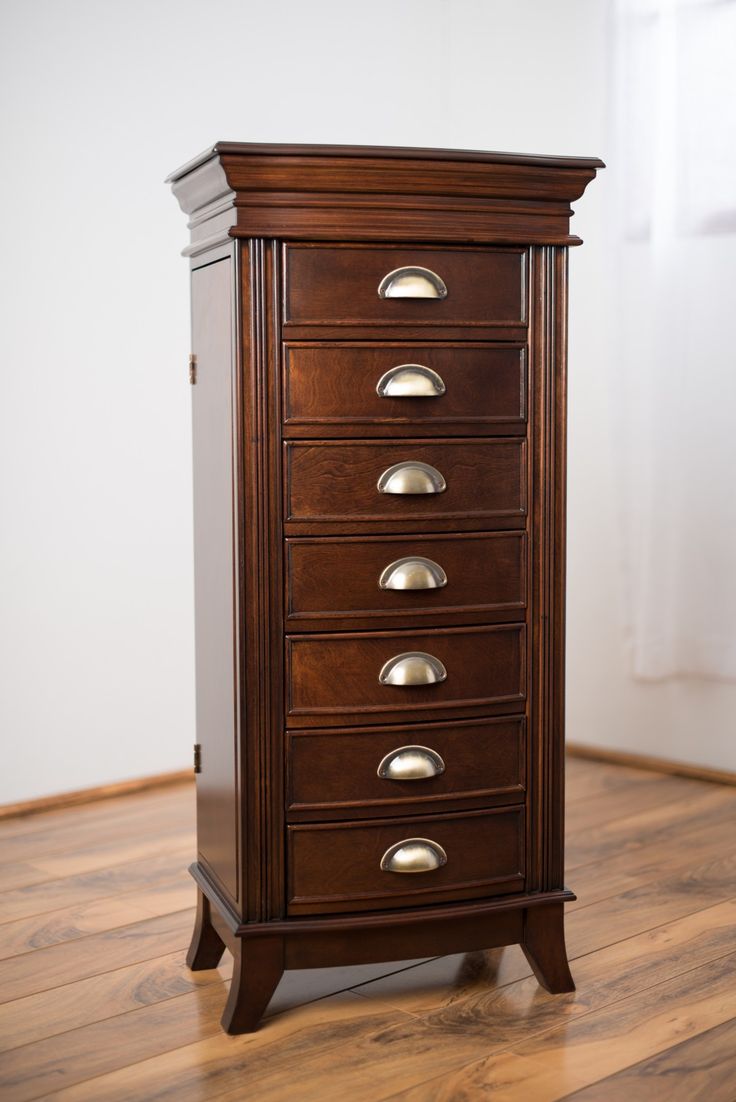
(544, 947)
(207, 946)
(257, 968)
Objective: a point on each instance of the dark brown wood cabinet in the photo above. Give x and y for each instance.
(378, 360)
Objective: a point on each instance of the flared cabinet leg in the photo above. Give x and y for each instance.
(257, 968)
(544, 947)
(207, 946)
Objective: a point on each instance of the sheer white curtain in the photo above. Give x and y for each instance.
(675, 370)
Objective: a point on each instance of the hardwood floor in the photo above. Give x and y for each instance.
(96, 1001)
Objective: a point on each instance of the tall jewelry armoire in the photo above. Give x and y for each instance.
(378, 369)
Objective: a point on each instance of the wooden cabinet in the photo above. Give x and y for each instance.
(378, 360)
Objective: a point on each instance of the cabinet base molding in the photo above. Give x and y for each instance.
(262, 952)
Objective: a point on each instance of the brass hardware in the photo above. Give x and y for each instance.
(412, 668)
(411, 478)
(414, 855)
(414, 572)
(412, 282)
(197, 757)
(410, 381)
(192, 369)
(411, 763)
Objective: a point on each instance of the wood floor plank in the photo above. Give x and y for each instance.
(69, 836)
(446, 980)
(702, 1069)
(68, 1066)
(93, 814)
(36, 899)
(74, 1005)
(676, 851)
(93, 857)
(623, 802)
(585, 778)
(103, 1007)
(376, 1063)
(170, 894)
(713, 805)
(68, 924)
(60, 964)
(551, 1066)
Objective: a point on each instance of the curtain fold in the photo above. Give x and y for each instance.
(675, 376)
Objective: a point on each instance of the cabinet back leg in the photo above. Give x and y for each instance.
(544, 947)
(207, 946)
(258, 966)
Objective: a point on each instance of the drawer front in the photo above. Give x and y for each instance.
(357, 675)
(337, 867)
(371, 770)
(472, 481)
(328, 285)
(374, 576)
(386, 385)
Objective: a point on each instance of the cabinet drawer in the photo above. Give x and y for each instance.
(368, 771)
(333, 677)
(326, 285)
(340, 385)
(376, 481)
(344, 578)
(338, 867)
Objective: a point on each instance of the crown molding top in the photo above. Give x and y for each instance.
(324, 192)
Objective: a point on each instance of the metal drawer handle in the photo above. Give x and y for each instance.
(412, 573)
(412, 283)
(411, 763)
(411, 478)
(410, 381)
(414, 667)
(414, 855)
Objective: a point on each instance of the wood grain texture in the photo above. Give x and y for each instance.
(330, 387)
(378, 193)
(337, 771)
(338, 285)
(655, 967)
(333, 582)
(335, 482)
(702, 1069)
(334, 678)
(336, 866)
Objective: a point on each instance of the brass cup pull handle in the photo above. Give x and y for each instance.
(413, 668)
(412, 282)
(411, 478)
(414, 855)
(411, 763)
(413, 572)
(410, 381)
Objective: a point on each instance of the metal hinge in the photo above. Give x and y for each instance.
(192, 368)
(197, 757)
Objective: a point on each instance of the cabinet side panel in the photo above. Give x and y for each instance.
(214, 566)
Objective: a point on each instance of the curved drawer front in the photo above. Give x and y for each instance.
(371, 770)
(338, 867)
(325, 285)
(473, 481)
(331, 385)
(344, 578)
(336, 678)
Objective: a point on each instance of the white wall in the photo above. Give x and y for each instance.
(97, 659)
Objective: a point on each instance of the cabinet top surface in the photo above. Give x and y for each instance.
(382, 152)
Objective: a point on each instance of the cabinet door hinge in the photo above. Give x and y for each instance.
(197, 757)
(192, 368)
